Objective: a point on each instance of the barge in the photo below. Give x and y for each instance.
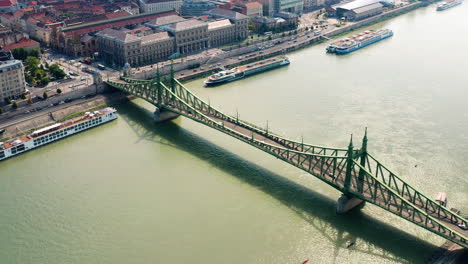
(246, 70)
(448, 4)
(55, 132)
(359, 41)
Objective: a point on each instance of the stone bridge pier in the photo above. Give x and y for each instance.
(347, 203)
(161, 115)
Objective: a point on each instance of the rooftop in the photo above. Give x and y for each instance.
(10, 65)
(356, 4)
(219, 24)
(367, 8)
(23, 43)
(226, 14)
(166, 20)
(155, 37)
(185, 25)
(118, 35)
(159, 1)
(114, 20)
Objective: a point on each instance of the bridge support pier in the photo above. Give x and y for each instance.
(161, 115)
(346, 203)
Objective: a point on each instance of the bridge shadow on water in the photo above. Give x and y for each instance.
(370, 236)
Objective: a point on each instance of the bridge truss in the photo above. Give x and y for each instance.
(354, 172)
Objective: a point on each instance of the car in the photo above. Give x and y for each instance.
(61, 102)
(83, 97)
(83, 79)
(51, 105)
(68, 100)
(182, 73)
(194, 70)
(462, 226)
(48, 90)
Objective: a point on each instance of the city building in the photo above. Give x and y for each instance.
(169, 36)
(190, 35)
(9, 6)
(281, 22)
(311, 5)
(194, 8)
(148, 6)
(342, 10)
(118, 47)
(27, 44)
(70, 39)
(268, 7)
(291, 6)
(251, 9)
(364, 12)
(221, 32)
(12, 82)
(240, 21)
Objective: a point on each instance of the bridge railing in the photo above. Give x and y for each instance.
(409, 192)
(384, 196)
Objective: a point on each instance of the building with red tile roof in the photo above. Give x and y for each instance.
(9, 6)
(23, 43)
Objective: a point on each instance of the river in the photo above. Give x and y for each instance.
(133, 191)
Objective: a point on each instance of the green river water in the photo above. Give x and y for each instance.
(133, 191)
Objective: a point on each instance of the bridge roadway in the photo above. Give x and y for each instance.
(356, 173)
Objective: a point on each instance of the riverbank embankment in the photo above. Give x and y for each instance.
(46, 118)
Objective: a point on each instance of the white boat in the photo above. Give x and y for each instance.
(56, 132)
(448, 4)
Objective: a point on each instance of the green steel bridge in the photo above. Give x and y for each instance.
(354, 172)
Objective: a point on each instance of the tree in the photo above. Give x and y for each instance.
(34, 53)
(44, 95)
(1, 110)
(20, 54)
(8, 100)
(32, 64)
(14, 105)
(45, 80)
(23, 96)
(56, 71)
(270, 38)
(59, 91)
(30, 100)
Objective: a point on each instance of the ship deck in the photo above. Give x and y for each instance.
(259, 63)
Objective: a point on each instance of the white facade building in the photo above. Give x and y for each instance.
(12, 81)
(148, 6)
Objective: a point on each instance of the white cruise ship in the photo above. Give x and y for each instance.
(55, 132)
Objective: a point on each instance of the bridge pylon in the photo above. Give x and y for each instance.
(347, 201)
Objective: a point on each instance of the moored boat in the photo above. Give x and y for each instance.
(361, 40)
(55, 132)
(246, 70)
(448, 4)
